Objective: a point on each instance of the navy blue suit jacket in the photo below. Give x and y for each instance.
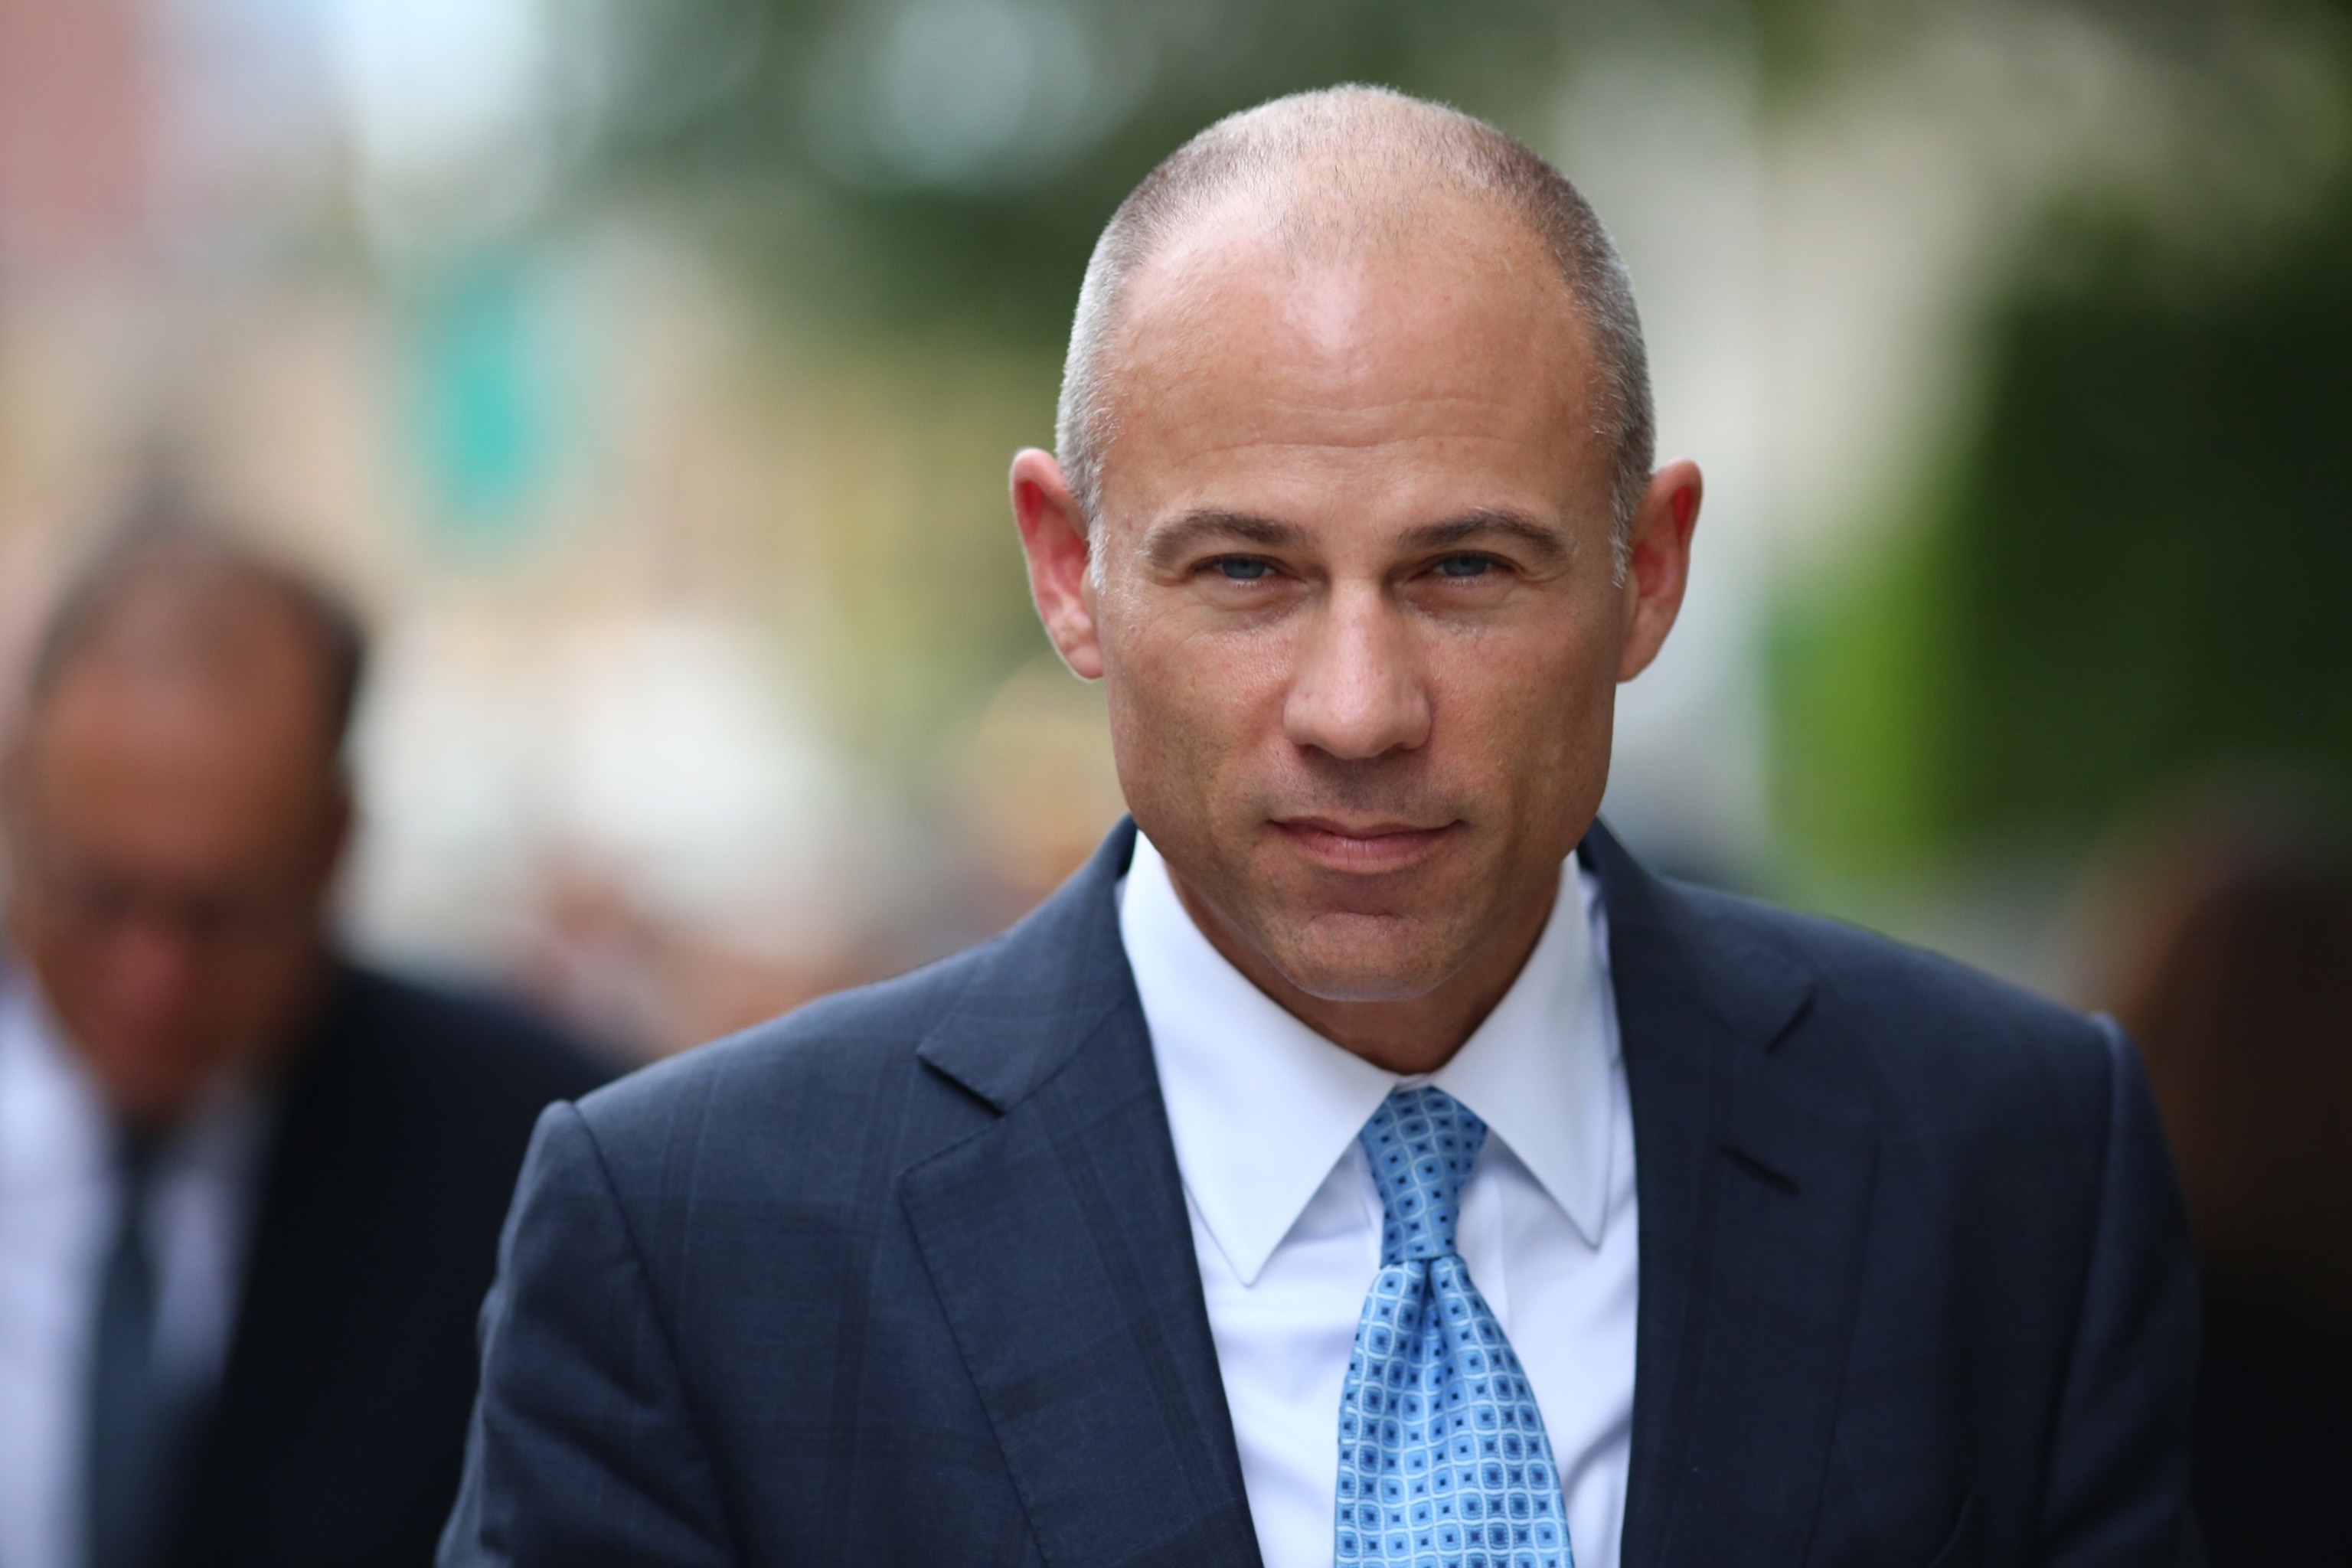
(339, 1426)
(907, 1277)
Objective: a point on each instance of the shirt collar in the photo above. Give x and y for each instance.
(1261, 1106)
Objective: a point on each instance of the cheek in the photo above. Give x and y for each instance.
(1189, 710)
(1532, 713)
(261, 991)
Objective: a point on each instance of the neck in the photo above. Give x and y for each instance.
(1405, 1036)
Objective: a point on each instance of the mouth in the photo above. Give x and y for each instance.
(1362, 848)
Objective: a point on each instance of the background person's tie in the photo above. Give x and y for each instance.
(124, 1459)
(1443, 1458)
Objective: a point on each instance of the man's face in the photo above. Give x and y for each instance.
(1358, 615)
(169, 854)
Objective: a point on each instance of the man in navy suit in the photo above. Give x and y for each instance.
(250, 1189)
(1363, 1160)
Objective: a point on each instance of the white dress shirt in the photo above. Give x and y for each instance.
(57, 1209)
(1286, 1220)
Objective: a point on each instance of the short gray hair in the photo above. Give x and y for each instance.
(1340, 130)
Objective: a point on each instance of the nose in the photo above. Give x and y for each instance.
(1358, 693)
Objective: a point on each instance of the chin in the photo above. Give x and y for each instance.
(154, 1087)
(1351, 964)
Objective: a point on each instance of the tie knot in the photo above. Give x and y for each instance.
(1423, 1142)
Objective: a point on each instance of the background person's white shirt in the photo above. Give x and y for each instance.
(1286, 1220)
(57, 1197)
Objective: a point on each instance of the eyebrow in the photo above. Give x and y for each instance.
(1468, 529)
(1170, 543)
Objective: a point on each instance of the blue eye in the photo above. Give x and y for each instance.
(1243, 569)
(1465, 566)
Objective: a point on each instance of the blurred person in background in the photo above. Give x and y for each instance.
(1364, 1158)
(2225, 925)
(249, 1190)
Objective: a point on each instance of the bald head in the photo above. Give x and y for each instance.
(1336, 175)
(175, 809)
(201, 614)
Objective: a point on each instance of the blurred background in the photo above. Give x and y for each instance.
(649, 369)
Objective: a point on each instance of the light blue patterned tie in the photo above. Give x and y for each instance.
(1443, 1458)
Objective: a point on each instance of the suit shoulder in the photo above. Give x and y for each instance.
(808, 1080)
(1931, 1025)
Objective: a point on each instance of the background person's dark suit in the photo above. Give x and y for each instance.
(907, 1277)
(336, 1436)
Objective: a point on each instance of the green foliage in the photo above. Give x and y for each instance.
(2138, 568)
(937, 160)
(2154, 532)
(1862, 681)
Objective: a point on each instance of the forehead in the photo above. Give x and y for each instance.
(1437, 360)
(175, 771)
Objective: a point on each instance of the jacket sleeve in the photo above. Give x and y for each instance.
(582, 1449)
(2119, 1481)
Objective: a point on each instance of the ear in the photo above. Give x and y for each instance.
(1054, 538)
(1657, 563)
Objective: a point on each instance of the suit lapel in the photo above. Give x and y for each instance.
(1753, 1168)
(1058, 1239)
